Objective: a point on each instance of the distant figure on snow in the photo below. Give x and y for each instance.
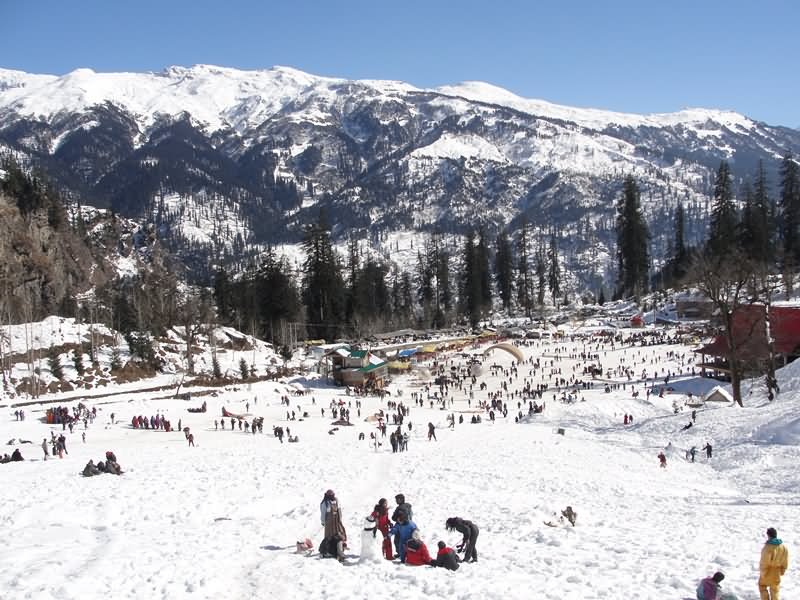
(708, 449)
(662, 459)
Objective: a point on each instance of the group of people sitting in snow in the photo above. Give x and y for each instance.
(16, 456)
(110, 466)
(407, 546)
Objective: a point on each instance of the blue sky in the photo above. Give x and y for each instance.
(633, 56)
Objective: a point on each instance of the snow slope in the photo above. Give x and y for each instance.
(220, 520)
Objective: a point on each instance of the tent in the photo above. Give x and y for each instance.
(510, 348)
(718, 394)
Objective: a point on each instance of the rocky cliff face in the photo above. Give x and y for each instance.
(224, 162)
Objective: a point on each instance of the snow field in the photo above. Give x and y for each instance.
(220, 520)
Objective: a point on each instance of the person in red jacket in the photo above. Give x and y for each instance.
(382, 522)
(416, 551)
(446, 558)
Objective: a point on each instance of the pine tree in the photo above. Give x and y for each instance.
(77, 361)
(724, 224)
(484, 273)
(323, 284)
(353, 267)
(541, 276)
(54, 362)
(116, 359)
(790, 208)
(524, 279)
(504, 270)
(632, 241)
(761, 249)
(216, 372)
(554, 273)
(222, 295)
(444, 295)
(470, 288)
(244, 371)
(680, 257)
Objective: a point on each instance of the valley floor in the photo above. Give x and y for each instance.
(220, 520)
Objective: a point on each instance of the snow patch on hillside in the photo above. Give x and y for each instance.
(460, 146)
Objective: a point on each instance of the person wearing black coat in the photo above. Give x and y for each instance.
(446, 558)
(469, 530)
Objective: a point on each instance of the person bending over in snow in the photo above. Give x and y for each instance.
(708, 588)
(469, 530)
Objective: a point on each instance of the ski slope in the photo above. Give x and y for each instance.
(220, 520)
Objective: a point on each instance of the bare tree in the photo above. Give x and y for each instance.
(194, 313)
(725, 281)
(767, 286)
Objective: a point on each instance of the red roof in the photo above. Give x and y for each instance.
(749, 332)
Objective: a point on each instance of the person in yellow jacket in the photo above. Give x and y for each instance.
(774, 562)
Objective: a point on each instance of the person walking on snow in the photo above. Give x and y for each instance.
(44, 448)
(773, 564)
(431, 432)
(707, 448)
(662, 460)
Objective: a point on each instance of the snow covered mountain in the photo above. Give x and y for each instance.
(226, 161)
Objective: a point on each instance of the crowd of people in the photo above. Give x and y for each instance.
(396, 537)
(155, 422)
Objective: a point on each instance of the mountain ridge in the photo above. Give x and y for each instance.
(224, 162)
(471, 90)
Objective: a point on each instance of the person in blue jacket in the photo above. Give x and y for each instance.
(403, 531)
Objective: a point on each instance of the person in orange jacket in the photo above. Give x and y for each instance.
(774, 562)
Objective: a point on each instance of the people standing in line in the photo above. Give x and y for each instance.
(773, 564)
